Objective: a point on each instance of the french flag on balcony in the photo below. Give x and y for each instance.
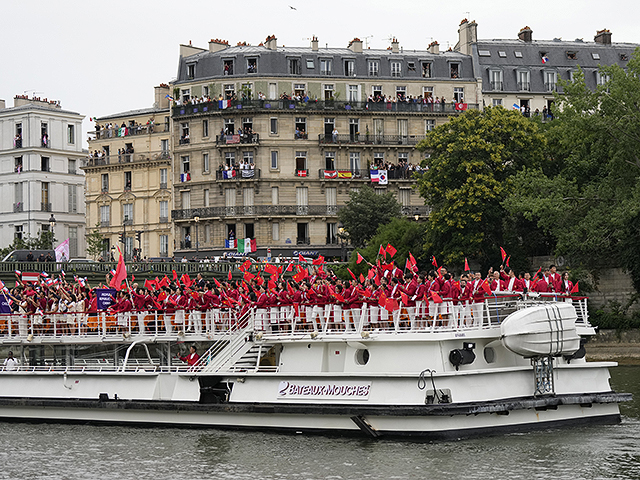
(185, 177)
(231, 243)
(545, 59)
(224, 104)
(228, 174)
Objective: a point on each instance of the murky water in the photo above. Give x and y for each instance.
(83, 452)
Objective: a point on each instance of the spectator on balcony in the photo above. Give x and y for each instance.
(17, 141)
(334, 135)
(187, 241)
(45, 139)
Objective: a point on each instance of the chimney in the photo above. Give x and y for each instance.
(526, 35)
(395, 45)
(3, 105)
(467, 36)
(603, 37)
(434, 47)
(355, 45)
(314, 44)
(216, 44)
(270, 42)
(160, 99)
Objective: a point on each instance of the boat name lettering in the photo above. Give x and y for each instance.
(292, 389)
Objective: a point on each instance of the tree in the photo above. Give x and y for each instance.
(365, 212)
(590, 200)
(95, 242)
(43, 241)
(472, 161)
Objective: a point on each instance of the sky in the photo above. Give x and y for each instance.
(101, 58)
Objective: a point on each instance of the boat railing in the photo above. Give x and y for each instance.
(222, 325)
(97, 368)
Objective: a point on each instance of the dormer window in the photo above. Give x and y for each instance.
(252, 65)
(455, 70)
(572, 55)
(624, 57)
(191, 71)
(411, 66)
(228, 67)
(426, 69)
(595, 56)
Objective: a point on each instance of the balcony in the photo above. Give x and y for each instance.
(44, 143)
(238, 174)
(127, 222)
(18, 207)
(126, 158)
(397, 173)
(303, 241)
(163, 185)
(369, 139)
(302, 173)
(105, 223)
(185, 141)
(238, 139)
(241, 106)
(131, 130)
(497, 86)
(45, 207)
(524, 86)
(274, 211)
(550, 87)
(163, 220)
(17, 143)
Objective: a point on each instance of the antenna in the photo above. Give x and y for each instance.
(366, 40)
(33, 92)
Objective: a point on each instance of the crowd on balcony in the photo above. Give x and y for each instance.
(111, 129)
(402, 170)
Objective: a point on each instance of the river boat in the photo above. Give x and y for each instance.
(514, 362)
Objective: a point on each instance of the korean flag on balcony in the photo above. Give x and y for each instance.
(379, 177)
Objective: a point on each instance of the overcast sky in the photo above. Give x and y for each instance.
(100, 58)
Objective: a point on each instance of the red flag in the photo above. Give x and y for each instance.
(186, 281)
(301, 258)
(390, 250)
(121, 272)
(487, 289)
(270, 269)
(133, 277)
(298, 277)
(361, 278)
(507, 262)
(148, 284)
(229, 276)
(175, 275)
(271, 285)
(382, 252)
(404, 297)
(164, 282)
(352, 274)
(248, 276)
(433, 261)
(391, 304)
(412, 259)
(318, 261)
(215, 280)
(382, 300)
(259, 280)
(575, 288)
(466, 265)
(436, 298)
(503, 253)
(290, 289)
(245, 265)
(290, 267)
(377, 280)
(360, 258)
(371, 274)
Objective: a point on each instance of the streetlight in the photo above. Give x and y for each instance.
(196, 219)
(417, 215)
(52, 224)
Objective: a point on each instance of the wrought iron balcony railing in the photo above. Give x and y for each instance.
(369, 139)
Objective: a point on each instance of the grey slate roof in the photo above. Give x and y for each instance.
(133, 113)
(35, 106)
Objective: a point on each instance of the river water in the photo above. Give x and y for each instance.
(88, 452)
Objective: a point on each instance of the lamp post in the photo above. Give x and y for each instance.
(196, 219)
(52, 224)
(417, 215)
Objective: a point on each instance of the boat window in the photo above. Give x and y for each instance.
(362, 356)
(489, 355)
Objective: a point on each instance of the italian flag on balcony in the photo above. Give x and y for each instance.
(246, 245)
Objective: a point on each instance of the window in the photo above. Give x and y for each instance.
(401, 92)
(207, 198)
(273, 126)
(205, 90)
(378, 158)
(18, 232)
(302, 200)
(18, 167)
(249, 230)
(105, 182)
(301, 164)
(73, 199)
(294, 66)
(518, 54)
(301, 128)
(332, 198)
(185, 200)
(455, 70)
(354, 129)
(191, 71)
(411, 66)
(484, 53)
(227, 66)
(328, 92)
(426, 69)
(572, 55)
(44, 164)
(127, 213)
(378, 129)
(164, 211)
(247, 157)
(163, 178)
(325, 67)
(624, 57)
(330, 160)
(380, 190)
(274, 160)
(595, 56)
(275, 195)
(550, 81)
(164, 245)
(429, 125)
(495, 79)
(403, 157)
(186, 94)
(184, 135)
(374, 68)
(502, 54)
(164, 146)
(73, 242)
(230, 159)
(17, 197)
(205, 128)
(329, 125)
(105, 215)
(350, 68)
(44, 134)
(275, 232)
(602, 78)
(427, 92)
(523, 81)
(229, 91)
(332, 233)
(247, 91)
(354, 162)
(71, 134)
(229, 126)
(458, 94)
(376, 91)
(299, 89)
(127, 180)
(353, 93)
(252, 65)
(310, 64)
(497, 101)
(186, 164)
(44, 197)
(396, 69)
(71, 166)
(205, 162)
(404, 197)
(403, 129)
(17, 142)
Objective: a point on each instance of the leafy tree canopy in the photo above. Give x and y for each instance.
(473, 160)
(365, 212)
(589, 198)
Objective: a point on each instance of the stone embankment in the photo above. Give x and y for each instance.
(613, 345)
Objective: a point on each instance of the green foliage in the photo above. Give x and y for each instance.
(43, 241)
(94, 242)
(588, 198)
(473, 160)
(365, 212)
(614, 316)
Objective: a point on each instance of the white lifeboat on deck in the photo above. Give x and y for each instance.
(542, 330)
